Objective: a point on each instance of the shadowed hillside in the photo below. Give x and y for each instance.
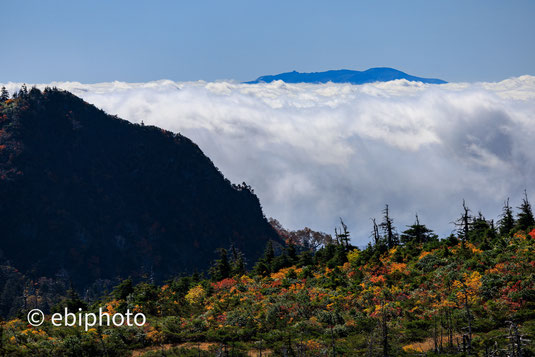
(87, 195)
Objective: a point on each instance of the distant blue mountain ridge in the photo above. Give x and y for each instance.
(379, 74)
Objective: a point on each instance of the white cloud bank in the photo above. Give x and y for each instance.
(314, 153)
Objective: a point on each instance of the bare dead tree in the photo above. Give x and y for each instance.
(387, 226)
(464, 223)
(375, 233)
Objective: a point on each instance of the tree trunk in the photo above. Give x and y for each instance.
(435, 334)
(332, 339)
(385, 336)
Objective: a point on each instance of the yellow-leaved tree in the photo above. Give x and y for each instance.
(467, 293)
(196, 295)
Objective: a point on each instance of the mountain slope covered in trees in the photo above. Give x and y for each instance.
(87, 196)
(408, 293)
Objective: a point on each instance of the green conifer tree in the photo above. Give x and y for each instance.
(221, 268)
(4, 94)
(525, 220)
(507, 221)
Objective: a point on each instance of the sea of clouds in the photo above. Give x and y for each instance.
(317, 152)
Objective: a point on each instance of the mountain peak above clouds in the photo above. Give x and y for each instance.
(378, 74)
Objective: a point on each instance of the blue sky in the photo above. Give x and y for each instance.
(134, 41)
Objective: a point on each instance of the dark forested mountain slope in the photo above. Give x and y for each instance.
(92, 196)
